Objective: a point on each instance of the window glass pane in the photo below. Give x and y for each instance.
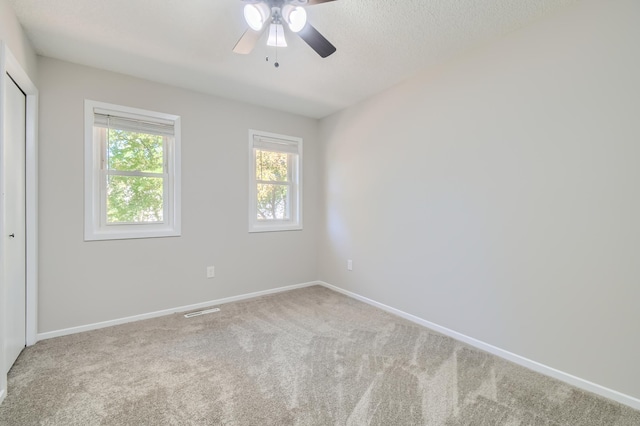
(272, 166)
(134, 199)
(132, 151)
(273, 202)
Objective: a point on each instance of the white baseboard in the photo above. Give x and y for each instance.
(95, 326)
(3, 394)
(517, 359)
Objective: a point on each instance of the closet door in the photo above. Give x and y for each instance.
(14, 267)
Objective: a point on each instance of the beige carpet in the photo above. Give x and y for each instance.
(305, 357)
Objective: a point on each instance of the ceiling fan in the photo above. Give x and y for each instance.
(257, 13)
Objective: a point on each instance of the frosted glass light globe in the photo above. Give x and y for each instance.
(296, 17)
(256, 15)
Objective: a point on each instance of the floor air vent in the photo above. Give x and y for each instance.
(197, 313)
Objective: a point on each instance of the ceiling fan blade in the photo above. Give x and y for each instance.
(313, 38)
(247, 42)
(312, 2)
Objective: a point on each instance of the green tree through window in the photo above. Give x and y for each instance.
(273, 181)
(135, 177)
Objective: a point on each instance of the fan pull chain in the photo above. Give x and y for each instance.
(276, 63)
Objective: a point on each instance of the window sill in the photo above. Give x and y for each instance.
(274, 228)
(129, 234)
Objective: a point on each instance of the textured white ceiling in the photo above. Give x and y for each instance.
(188, 44)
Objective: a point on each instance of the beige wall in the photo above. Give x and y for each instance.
(499, 196)
(11, 33)
(87, 282)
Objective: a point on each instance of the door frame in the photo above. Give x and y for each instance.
(9, 64)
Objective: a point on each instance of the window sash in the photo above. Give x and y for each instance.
(292, 159)
(290, 183)
(101, 133)
(104, 177)
(114, 172)
(288, 202)
(105, 172)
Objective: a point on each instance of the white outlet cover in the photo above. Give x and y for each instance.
(211, 271)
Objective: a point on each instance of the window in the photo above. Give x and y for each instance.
(132, 173)
(275, 182)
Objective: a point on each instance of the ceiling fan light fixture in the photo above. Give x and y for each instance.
(276, 36)
(256, 14)
(275, 13)
(296, 17)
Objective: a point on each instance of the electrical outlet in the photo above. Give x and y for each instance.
(211, 271)
(349, 265)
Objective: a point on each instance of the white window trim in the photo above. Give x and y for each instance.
(94, 228)
(295, 223)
